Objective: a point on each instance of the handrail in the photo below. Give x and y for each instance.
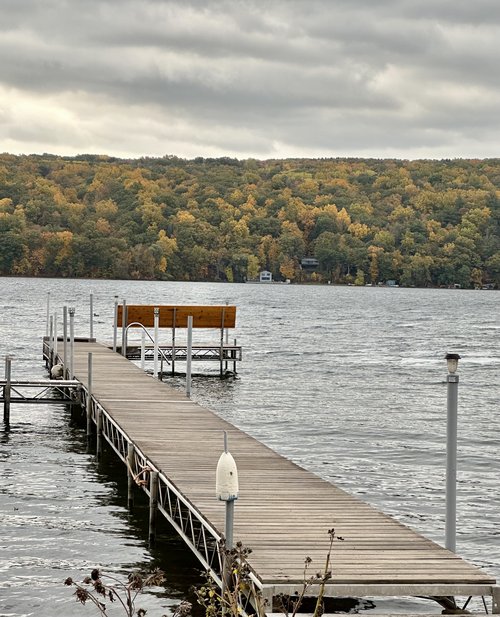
(136, 323)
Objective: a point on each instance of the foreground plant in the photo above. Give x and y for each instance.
(239, 590)
(98, 588)
(289, 605)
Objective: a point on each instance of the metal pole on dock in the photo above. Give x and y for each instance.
(89, 396)
(115, 325)
(143, 349)
(91, 332)
(451, 452)
(156, 332)
(124, 328)
(6, 390)
(153, 506)
(222, 342)
(65, 341)
(51, 341)
(71, 311)
(55, 339)
(226, 489)
(130, 475)
(47, 326)
(189, 354)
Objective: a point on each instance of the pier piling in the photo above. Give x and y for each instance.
(6, 390)
(153, 506)
(130, 475)
(89, 396)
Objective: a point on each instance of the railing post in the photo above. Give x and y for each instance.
(189, 354)
(130, 475)
(153, 506)
(71, 311)
(115, 325)
(6, 390)
(89, 396)
(156, 333)
(91, 331)
(65, 341)
(124, 328)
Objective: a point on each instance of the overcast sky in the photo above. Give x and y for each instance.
(252, 78)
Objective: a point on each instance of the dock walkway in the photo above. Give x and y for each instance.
(283, 512)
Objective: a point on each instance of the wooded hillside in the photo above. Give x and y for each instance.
(415, 222)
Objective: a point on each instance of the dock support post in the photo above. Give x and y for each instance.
(234, 363)
(55, 340)
(451, 453)
(91, 329)
(115, 325)
(65, 341)
(124, 329)
(71, 341)
(89, 396)
(174, 321)
(156, 334)
(189, 354)
(47, 325)
(153, 506)
(143, 349)
(130, 475)
(6, 390)
(51, 341)
(99, 434)
(222, 342)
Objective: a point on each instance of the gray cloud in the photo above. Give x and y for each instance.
(255, 78)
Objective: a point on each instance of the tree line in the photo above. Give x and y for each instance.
(418, 223)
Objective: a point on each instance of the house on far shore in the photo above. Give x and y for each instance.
(265, 277)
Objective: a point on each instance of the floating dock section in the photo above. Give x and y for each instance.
(171, 445)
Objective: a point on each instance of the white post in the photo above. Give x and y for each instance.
(143, 348)
(47, 326)
(451, 453)
(71, 341)
(115, 325)
(91, 333)
(226, 489)
(65, 340)
(124, 329)
(189, 353)
(51, 341)
(55, 338)
(156, 330)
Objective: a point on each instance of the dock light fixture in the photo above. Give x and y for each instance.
(452, 361)
(451, 452)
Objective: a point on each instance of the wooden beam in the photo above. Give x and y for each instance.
(203, 316)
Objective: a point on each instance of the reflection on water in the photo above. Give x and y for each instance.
(347, 382)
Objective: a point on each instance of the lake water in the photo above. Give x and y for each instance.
(347, 382)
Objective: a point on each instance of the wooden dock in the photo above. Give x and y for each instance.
(283, 512)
